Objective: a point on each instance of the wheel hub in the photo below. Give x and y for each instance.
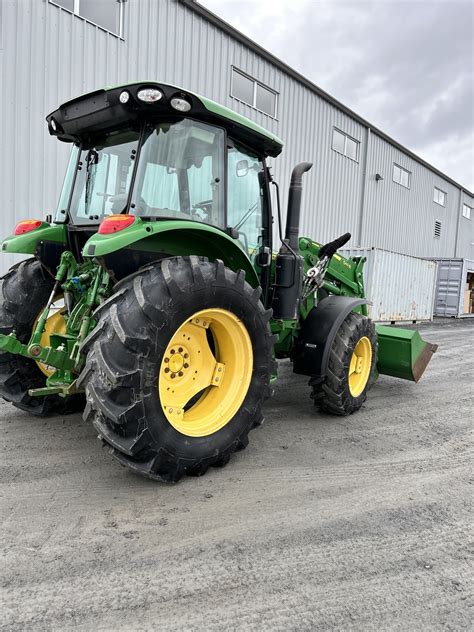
(359, 369)
(205, 372)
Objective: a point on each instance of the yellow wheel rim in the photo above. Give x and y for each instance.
(359, 369)
(205, 372)
(55, 324)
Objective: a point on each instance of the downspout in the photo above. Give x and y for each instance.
(363, 188)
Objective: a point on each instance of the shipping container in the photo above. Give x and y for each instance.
(400, 287)
(455, 288)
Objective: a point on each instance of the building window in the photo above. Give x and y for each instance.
(401, 176)
(437, 230)
(344, 144)
(466, 211)
(253, 93)
(439, 197)
(108, 14)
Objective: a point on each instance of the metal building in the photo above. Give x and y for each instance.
(362, 180)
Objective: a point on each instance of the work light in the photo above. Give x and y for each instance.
(149, 95)
(124, 97)
(182, 105)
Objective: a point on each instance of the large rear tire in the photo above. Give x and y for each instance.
(24, 291)
(351, 369)
(178, 367)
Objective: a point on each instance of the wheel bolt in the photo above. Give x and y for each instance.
(167, 359)
(186, 355)
(173, 376)
(186, 365)
(180, 374)
(172, 351)
(180, 349)
(167, 370)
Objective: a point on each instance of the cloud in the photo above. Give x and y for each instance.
(404, 65)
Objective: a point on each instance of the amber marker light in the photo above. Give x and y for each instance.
(27, 225)
(115, 223)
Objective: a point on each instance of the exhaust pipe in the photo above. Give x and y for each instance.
(289, 264)
(294, 204)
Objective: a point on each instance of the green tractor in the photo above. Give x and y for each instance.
(154, 300)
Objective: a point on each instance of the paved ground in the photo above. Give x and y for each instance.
(322, 523)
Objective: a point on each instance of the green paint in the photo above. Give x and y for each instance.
(28, 242)
(175, 237)
(401, 352)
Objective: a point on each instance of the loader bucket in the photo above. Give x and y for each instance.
(402, 352)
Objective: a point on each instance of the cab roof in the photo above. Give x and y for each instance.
(82, 118)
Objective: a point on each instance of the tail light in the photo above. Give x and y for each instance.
(27, 226)
(115, 223)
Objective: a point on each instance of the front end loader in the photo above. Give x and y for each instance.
(155, 300)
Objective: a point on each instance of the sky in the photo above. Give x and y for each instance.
(404, 65)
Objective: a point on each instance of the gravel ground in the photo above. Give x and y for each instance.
(323, 523)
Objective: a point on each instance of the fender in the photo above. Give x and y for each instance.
(28, 242)
(311, 355)
(174, 237)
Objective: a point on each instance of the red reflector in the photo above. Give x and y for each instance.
(114, 223)
(27, 225)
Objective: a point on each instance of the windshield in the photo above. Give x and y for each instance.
(104, 174)
(181, 173)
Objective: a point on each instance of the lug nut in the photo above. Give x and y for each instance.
(167, 359)
(173, 376)
(186, 355)
(172, 351)
(180, 374)
(180, 349)
(186, 365)
(167, 370)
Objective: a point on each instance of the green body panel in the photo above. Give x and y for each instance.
(234, 117)
(175, 237)
(27, 243)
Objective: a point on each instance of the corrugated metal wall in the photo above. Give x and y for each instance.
(50, 55)
(409, 296)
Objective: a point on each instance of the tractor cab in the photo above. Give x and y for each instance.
(152, 152)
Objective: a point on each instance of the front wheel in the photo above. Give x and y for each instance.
(178, 367)
(351, 368)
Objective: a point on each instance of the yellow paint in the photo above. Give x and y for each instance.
(359, 369)
(202, 388)
(55, 324)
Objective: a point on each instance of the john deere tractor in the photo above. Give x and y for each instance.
(155, 299)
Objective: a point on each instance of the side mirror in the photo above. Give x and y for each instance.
(242, 168)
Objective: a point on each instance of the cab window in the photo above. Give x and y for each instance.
(245, 198)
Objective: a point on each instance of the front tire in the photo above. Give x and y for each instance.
(178, 367)
(351, 368)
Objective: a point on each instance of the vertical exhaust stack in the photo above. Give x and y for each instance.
(289, 264)
(294, 204)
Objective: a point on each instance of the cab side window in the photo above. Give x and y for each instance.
(245, 198)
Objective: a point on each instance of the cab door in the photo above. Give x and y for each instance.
(248, 212)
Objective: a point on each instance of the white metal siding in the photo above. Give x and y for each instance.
(50, 55)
